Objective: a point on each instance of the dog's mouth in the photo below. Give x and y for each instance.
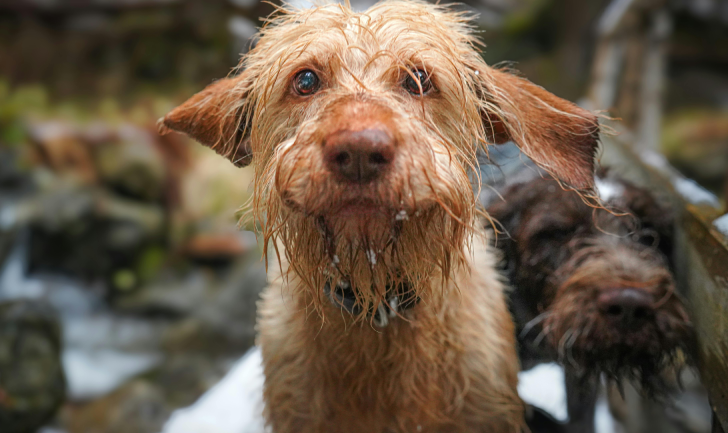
(587, 338)
(361, 225)
(639, 357)
(364, 220)
(359, 208)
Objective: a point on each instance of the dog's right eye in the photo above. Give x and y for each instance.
(418, 83)
(306, 82)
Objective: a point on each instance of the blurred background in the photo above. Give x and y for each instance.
(127, 289)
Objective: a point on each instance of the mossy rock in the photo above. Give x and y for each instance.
(32, 382)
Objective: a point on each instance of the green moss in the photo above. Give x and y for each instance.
(14, 104)
(525, 17)
(124, 280)
(150, 262)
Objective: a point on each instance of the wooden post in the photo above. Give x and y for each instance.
(652, 81)
(717, 428)
(629, 67)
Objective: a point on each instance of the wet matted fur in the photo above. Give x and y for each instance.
(572, 266)
(562, 255)
(593, 287)
(410, 72)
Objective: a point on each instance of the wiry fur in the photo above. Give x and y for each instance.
(447, 364)
(434, 372)
(579, 337)
(562, 255)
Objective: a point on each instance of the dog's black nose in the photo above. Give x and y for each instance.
(627, 307)
(359, 156)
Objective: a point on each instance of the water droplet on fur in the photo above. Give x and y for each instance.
(372, 256)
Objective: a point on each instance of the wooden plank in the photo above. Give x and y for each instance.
(703, 277)
(701, 260)
(717, 428)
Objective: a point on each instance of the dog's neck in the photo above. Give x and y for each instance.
(389, 285)
(399, 298)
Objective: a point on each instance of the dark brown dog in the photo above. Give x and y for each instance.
(593, 287)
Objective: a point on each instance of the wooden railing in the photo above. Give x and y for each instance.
(701, 257)
(627, 80)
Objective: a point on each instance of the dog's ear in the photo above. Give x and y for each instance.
(217, 117)
(556, 134)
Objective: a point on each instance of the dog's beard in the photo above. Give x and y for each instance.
(583, 340)
(406, 229)
(581, 344)
(395, 251)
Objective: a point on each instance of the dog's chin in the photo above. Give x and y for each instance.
(645, 368)
(364, 218)
(639, 355)
(361, 210)
(361, 219)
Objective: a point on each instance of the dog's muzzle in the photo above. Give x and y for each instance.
(399, 298)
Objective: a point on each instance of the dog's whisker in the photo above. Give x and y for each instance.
(533, 322)
(541, 335)
(569, 347)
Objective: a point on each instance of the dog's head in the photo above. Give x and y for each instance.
(598, 281)
(364, 129)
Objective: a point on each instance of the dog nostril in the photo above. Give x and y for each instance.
(342, 159)
(614, 310)
(640, 313)
(377, 158)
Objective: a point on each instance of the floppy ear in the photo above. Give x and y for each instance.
(217, 117)
(556, 134)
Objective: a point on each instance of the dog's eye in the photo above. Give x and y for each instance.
(306, 82)
(554, 233)
(418, 78)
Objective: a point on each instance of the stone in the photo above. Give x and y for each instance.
(137, 407)
(32, 382)
(132, 165)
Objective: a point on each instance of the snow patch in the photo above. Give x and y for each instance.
(694, 193)
(95, 373)
(722, 224)
(234, 405)
(543, 386)
(603, 421)
(608, 189)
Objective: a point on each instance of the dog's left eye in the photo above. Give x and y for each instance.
(417, 79)
(306, 82)
(555, 233)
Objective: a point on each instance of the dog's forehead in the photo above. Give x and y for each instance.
(403, 29)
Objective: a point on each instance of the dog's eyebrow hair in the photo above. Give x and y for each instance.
(360, 48)
(379, 54)
(344, 67)
(368, 30)
(342, 30)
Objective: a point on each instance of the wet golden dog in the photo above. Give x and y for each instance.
(383, 311)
